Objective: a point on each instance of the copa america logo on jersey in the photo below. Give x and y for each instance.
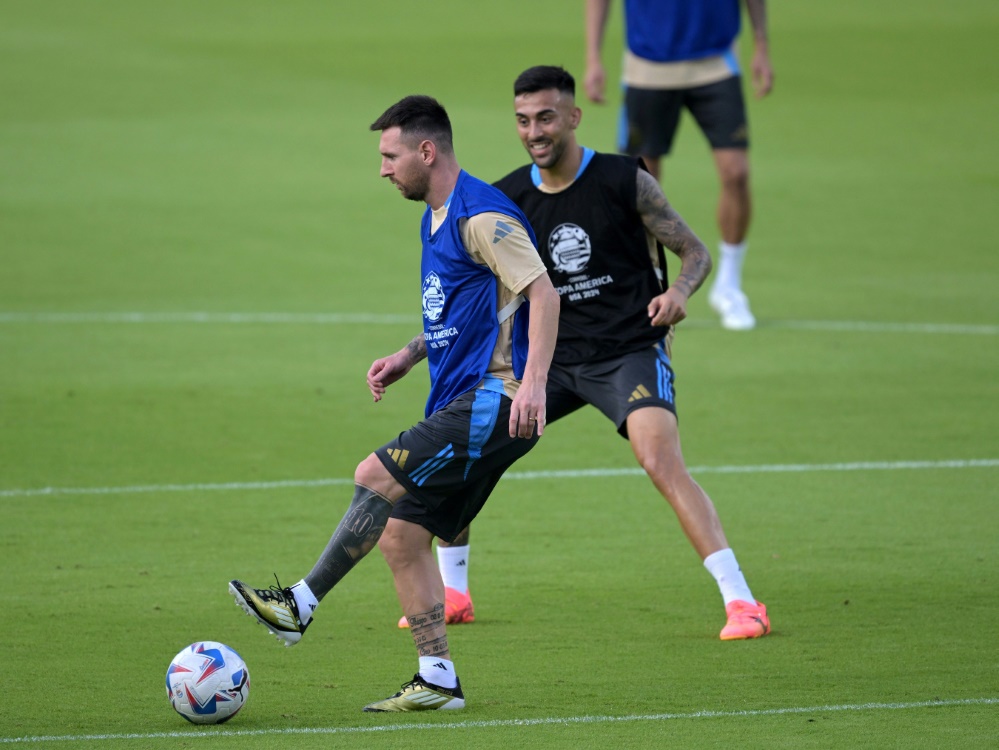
(569, 246)
(433, 297)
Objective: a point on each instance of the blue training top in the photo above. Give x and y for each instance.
(459, 296)
(676, 30)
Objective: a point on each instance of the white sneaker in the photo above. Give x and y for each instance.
(733, 307)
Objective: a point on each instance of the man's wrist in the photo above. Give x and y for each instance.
(416, 350)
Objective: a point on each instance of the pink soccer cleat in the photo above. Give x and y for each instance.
(458, 609)
(745, 620)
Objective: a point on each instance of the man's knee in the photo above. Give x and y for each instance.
(666, 470)
(402, 542)
(656, 443)
(733, 169)
(390, 544)
(371, 473)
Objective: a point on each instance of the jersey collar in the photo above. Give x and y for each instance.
(587, 157)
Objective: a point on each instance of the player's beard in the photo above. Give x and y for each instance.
(553, 157)
(415, 189)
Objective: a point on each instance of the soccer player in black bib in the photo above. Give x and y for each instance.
(601, 221)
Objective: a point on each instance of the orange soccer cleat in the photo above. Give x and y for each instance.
(458, 609)
(745, 620)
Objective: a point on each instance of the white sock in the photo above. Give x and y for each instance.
(305, 600)
(730, 266)
(732, 584)
(438, 671)
(453, 562)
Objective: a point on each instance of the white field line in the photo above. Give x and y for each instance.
(207, 732)
(206, 317)
(414, 319)
(858, 326)
(982, 463)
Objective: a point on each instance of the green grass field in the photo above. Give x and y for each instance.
(199, 263)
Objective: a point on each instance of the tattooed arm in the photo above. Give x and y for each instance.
(387, 370)
(417, 349)
(667, 226)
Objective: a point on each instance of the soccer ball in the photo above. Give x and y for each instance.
(207, 683)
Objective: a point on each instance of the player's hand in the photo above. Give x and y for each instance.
(595, 82)
(668, 308)
(387, 370)
(527, 411)
(763, 73)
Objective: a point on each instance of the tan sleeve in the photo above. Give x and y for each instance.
(501, 242)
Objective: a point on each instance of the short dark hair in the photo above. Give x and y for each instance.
(418, 117)
(542, 77)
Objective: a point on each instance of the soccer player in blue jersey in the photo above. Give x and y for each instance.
(490, 318)
(601, 223)
(681, 54)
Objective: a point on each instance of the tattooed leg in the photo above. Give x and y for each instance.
(355, 537)
(408, 550)
(430, 633)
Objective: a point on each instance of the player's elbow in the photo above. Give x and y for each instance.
(541, 294)
(552, 302)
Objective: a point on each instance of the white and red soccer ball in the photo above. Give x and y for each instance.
(207, 683)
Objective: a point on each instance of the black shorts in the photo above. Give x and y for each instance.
(616, 386)
(651, 117)
(451, 461)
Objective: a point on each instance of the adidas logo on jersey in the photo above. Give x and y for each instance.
(399, 456)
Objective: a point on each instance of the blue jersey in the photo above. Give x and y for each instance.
(460, 322)
(677, 30)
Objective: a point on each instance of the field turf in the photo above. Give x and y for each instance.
(198, 262)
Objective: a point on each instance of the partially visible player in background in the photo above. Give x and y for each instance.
(599, 219)
(681, 54)
(486, 407)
